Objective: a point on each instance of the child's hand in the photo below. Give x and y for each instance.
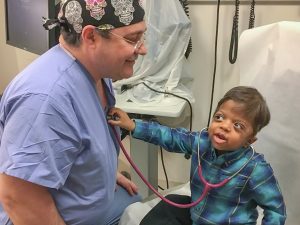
(121, 119)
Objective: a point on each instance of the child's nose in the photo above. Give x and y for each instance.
(226, 125)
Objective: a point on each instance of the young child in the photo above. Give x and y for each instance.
(225, 152)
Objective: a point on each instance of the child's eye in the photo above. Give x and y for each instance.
(219, 117)
(238, 125)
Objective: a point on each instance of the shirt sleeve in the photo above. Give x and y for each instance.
(177, 140)
(267, 194)
(40, 140)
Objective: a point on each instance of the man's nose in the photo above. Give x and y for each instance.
(141, 50)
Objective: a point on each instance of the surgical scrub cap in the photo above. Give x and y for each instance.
(74, 15)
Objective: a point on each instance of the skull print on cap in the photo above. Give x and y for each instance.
(104, 14)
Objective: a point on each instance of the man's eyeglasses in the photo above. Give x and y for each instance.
(136, 45)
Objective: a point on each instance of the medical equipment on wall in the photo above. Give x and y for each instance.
(234, 42)
(184, 4)
(164, 67)
(207, 186)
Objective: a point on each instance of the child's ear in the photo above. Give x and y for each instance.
(252, 140)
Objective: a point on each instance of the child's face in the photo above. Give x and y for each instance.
(230, 129)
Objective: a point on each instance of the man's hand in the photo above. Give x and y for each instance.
(127, 184)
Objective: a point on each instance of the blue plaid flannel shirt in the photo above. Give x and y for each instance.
(237, 201)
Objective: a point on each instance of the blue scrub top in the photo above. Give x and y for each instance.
(53, 132)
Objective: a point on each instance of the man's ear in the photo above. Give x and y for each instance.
(88, 35)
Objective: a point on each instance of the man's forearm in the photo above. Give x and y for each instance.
(27, 203)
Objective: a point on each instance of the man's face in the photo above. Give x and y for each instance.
(119, 52)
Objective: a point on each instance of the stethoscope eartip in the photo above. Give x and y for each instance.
(112, 117)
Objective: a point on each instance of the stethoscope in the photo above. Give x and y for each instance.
(207, 186)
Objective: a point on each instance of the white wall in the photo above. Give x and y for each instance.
(203, 19)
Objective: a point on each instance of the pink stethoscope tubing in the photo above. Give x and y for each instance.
(207, 186)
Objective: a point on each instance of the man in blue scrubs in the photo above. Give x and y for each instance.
(58, 155)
